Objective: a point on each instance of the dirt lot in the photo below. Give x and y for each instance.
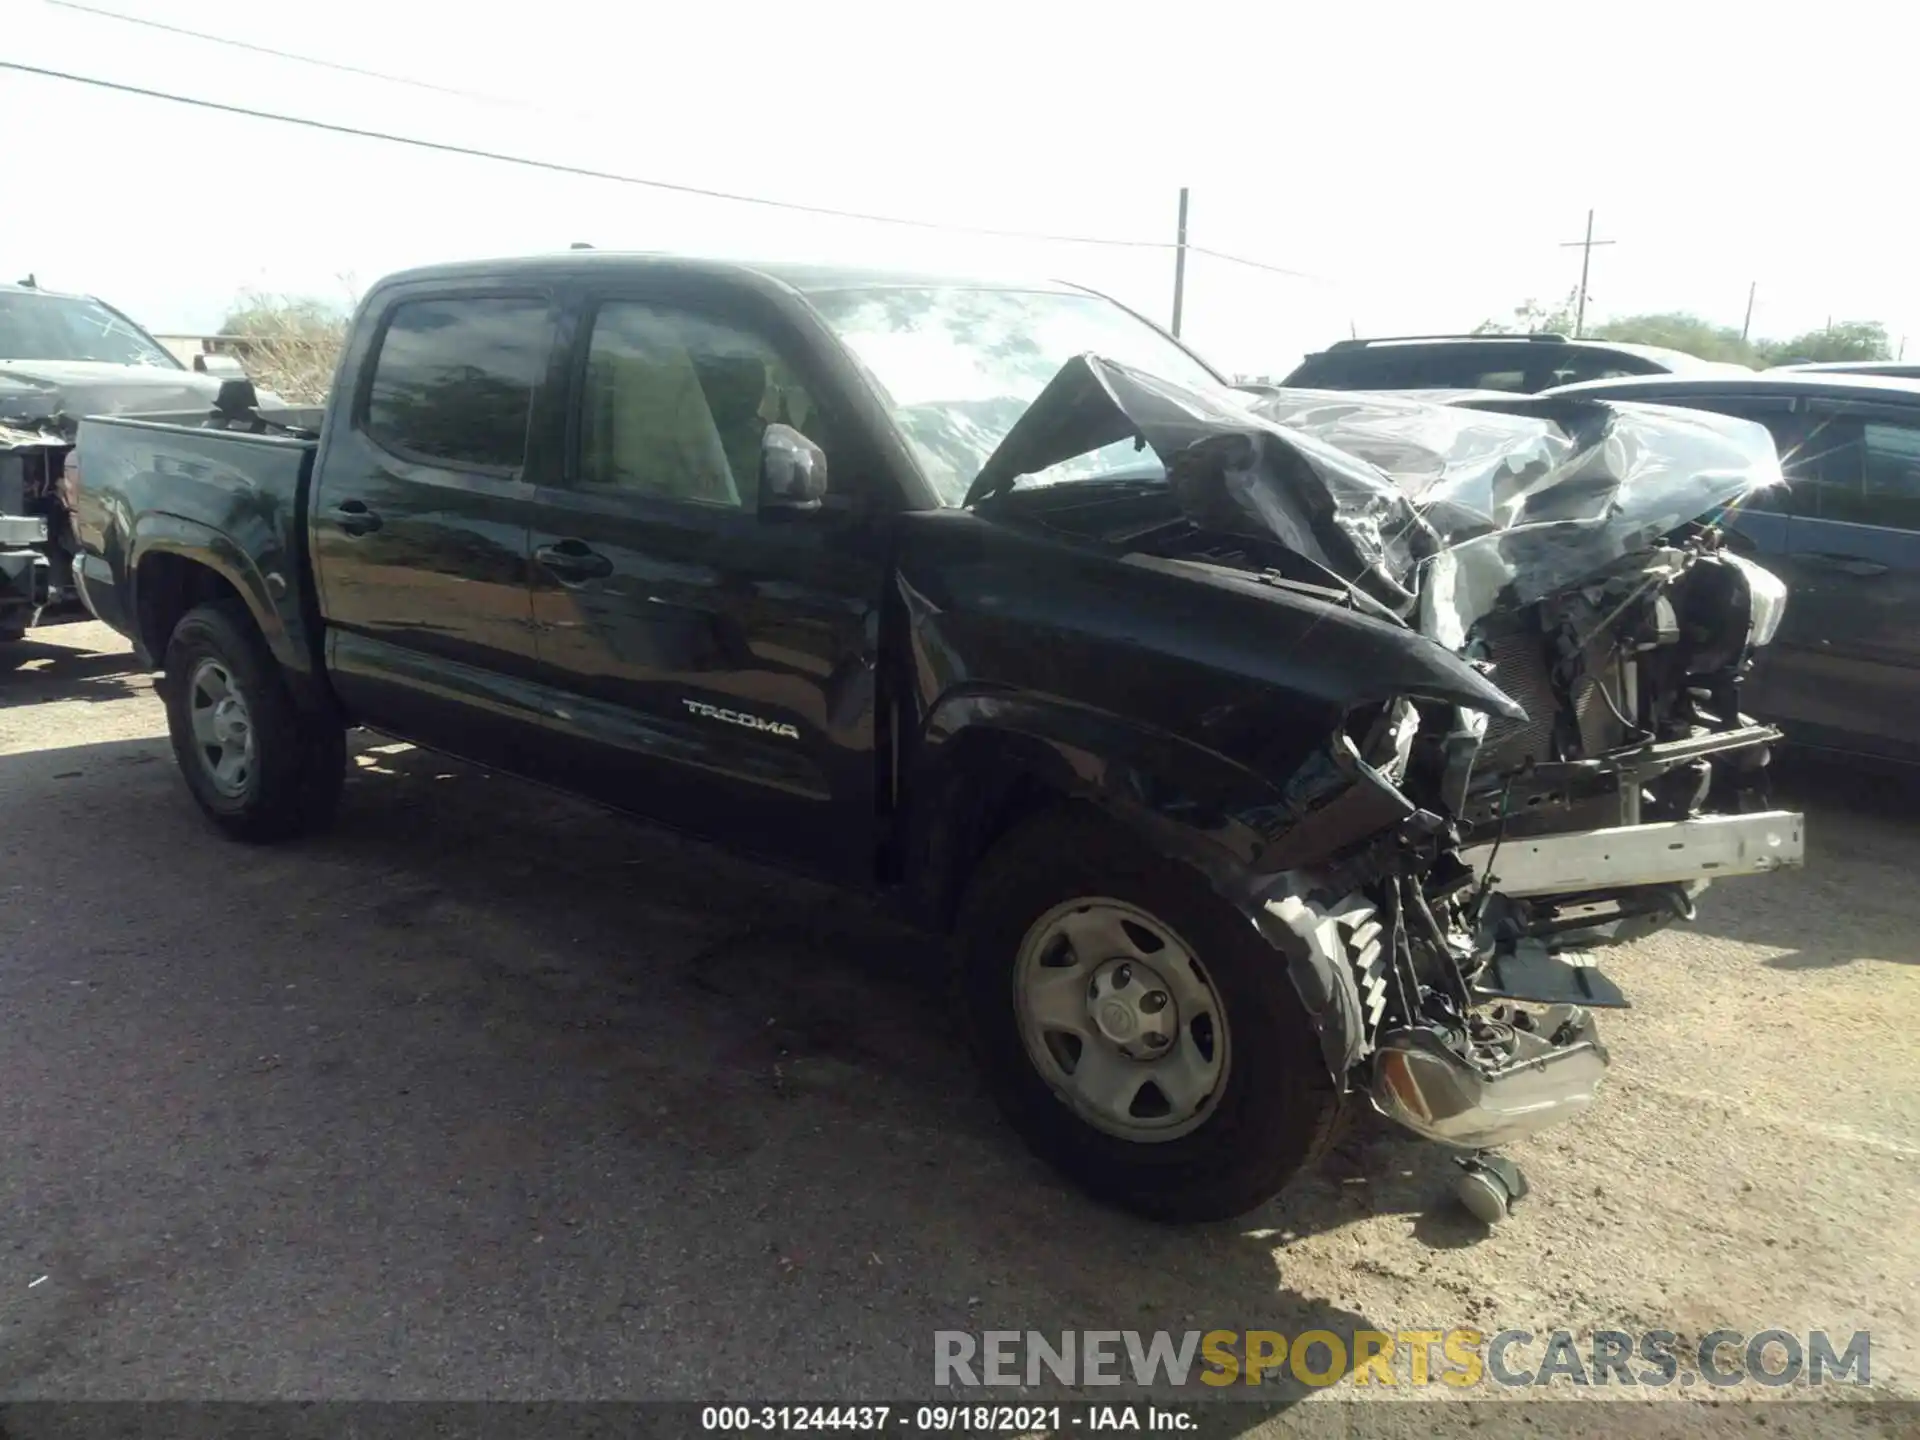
(489, 1093)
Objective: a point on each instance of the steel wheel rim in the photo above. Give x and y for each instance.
(1121, 1019)
(222, 725)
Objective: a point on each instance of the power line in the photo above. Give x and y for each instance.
(560, 167)
(581, 171)
(313, 60)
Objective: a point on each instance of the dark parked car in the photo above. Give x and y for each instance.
(1516, 364)
(1844, 671)
(997, 603)
(1896, 369)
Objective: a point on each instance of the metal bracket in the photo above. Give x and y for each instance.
(1712, 847)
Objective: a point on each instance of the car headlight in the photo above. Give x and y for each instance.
(1766, 601)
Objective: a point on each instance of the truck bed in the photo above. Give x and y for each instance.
(170, 484)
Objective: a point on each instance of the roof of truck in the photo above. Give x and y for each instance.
(8, 287)
(803, 276)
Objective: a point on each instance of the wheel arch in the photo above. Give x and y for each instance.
(176, 564)
(989, 762)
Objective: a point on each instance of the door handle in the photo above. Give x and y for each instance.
(1844, 564)
(571, 561)
(355, 518)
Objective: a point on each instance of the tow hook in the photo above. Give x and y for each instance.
(1490, 1186)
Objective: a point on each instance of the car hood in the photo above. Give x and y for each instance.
(1442, 512)
(39, 389)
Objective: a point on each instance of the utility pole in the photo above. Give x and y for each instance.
(1586, 260)
(1747, 324)
(1180, 264)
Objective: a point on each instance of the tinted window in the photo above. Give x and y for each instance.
(675, 405)
(1507, 365)
(455, 379)
(1864, 472)
(1578, 365)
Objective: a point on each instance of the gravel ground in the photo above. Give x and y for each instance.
(491, 1094)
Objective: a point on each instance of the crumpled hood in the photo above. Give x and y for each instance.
(37, 389)
(1435, 509)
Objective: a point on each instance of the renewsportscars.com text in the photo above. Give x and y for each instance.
(1460, 1358)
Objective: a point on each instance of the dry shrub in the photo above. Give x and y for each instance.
(289, 344)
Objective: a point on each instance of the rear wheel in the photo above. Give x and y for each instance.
(1137, 1029)
(259, 766)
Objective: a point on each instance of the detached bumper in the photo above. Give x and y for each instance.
(1712, 847)
(1552, 1077)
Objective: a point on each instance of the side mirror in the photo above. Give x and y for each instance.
(223, 365)
(793, 470)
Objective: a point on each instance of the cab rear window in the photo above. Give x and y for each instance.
(455, 377)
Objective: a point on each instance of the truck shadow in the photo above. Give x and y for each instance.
(37, 671)
(656, 1052)
(817, 1010)
(1854, 902)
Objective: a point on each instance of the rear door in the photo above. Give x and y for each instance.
(710, 664)
(420, 519)
(1851, 637)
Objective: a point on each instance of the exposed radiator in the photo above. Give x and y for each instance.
(1520, 669)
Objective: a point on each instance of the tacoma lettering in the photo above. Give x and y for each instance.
(737, 717)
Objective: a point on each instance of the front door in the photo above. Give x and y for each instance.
(420, 523)
(711, 664)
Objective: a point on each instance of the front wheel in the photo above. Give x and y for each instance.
(1135, 1028)
(259, 767)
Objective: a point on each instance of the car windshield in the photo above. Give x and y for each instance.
(958, 365)
(66, 327)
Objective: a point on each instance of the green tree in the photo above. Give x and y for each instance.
(1692, 335)
(1530, 317)
(1677, 330)
(1849, 340)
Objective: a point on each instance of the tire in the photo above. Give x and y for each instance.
(1273, 1108)
(289, 783)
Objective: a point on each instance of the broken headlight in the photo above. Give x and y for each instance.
(1766, 601)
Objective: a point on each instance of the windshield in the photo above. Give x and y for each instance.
(66, 327)
(957, 366)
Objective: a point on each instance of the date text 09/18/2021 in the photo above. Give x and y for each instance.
(948, 1419)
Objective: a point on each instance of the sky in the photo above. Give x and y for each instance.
(1418, 167)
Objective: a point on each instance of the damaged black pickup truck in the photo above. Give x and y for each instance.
(1261, 753)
